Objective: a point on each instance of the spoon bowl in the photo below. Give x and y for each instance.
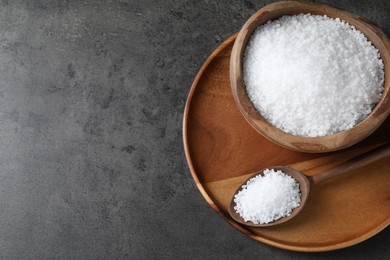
(306, 182)
(304, 186)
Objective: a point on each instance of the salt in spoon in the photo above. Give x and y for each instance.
(305, 182)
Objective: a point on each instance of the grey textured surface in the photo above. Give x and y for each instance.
(91, 103)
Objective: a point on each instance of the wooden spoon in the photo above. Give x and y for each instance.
(305, 182)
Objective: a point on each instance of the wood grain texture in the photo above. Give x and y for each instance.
(222, 149)
(308, 144)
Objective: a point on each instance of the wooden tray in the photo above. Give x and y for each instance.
(222, 149)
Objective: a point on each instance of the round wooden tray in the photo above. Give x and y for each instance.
(222, 149)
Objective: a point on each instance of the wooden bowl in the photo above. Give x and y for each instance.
(308, 144)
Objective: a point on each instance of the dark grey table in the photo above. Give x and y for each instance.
(91, 103)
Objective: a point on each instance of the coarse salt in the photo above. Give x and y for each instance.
(264, 199)
(312, 75)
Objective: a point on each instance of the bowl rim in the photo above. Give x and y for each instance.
(319, 144)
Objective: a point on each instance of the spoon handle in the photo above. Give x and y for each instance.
(362, 160)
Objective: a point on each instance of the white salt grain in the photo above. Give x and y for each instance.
(267, 198)
(312, 75)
